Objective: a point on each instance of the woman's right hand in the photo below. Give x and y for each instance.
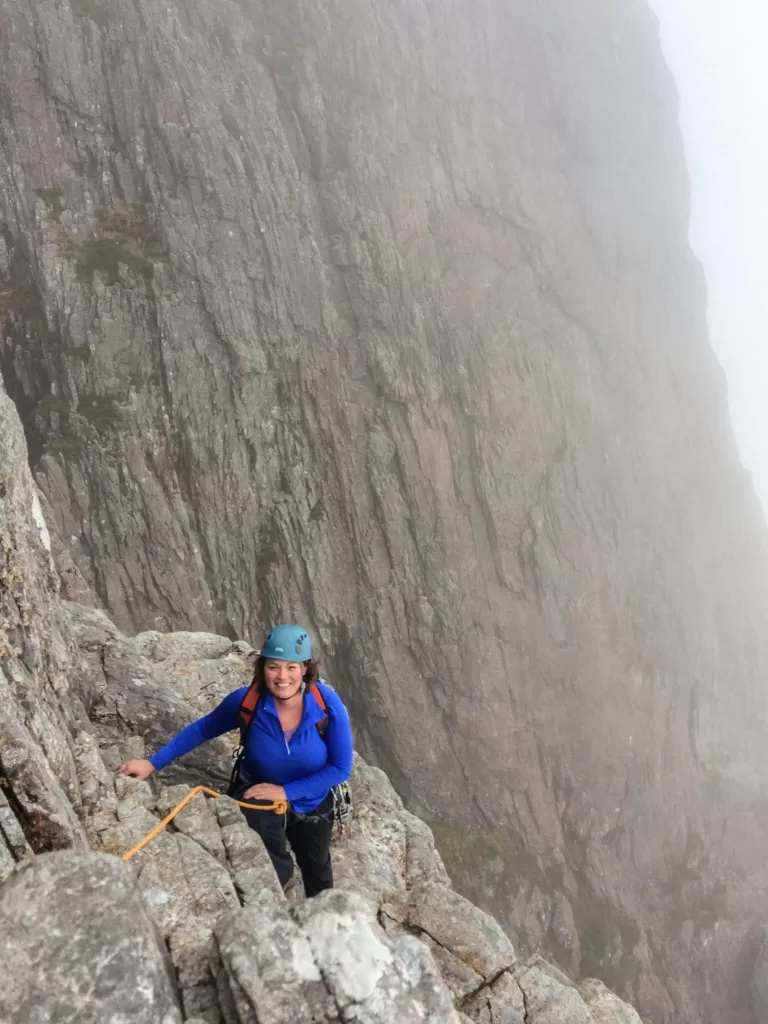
(138, 769)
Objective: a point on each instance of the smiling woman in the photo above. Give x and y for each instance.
(297, 745)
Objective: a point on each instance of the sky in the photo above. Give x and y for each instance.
(717, 52)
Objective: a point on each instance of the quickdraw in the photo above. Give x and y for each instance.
(342, 808)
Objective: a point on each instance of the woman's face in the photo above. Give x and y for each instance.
(283, 678)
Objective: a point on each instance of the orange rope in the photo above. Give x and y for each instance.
(278, 807)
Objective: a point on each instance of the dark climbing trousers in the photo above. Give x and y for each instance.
(310, 839)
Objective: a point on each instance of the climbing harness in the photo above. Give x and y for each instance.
(278, 807)
(342, 808)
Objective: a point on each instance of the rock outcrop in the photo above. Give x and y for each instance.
(39, 792)
(195, 927)
(77, 944)
(381, 316)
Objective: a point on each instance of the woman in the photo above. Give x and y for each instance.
(294, 751)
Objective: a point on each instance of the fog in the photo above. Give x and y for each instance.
(716, 52)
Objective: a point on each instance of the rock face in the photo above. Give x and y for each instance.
(381, 316)
(196, 927)
(39, 792)
(78, 945)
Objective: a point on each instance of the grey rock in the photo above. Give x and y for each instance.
(473, 936)
(198, 887)
(47, 816)
(548, 996)
(373, 858)
(14, 840)
(7, 860)
(759, 979)
(271, 970)
(228, 812)
(170, 648)
(186, 891)
(502, 1002)
(373, 789)
(97, 785)
(154, 687)
(462, 979)
(373, 979)
(605, 1006)
(77, 945)
(37, 712)
(388, 850)
(423, 863)
(249, 864)
(197, 819)
(196, 962)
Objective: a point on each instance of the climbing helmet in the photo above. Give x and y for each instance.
(287, 643)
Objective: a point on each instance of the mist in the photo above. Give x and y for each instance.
(715, 52)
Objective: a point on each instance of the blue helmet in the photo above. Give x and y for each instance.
(287, 643)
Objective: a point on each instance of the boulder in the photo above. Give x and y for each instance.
(76, 944)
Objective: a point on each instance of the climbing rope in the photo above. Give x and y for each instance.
(278, 807)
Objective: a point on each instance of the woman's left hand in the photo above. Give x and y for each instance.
(265, 791)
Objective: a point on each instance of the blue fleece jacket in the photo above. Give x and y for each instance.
(307, 766)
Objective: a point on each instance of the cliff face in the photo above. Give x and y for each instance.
(196, 927)
(382, 317)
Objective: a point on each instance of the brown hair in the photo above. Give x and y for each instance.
(311, 674)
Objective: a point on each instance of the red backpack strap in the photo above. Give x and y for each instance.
(322, 725)
(314, 689)
(245, 711)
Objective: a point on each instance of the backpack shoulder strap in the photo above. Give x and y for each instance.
(246, 711)
(322, 725)
(248, 706)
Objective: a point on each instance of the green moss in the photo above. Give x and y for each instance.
(19, 295)
(607, 938)
(67, 444)
(491, 872)
(100, 411)
(686, 897)
(713, 907)
(704, 914)
(93, 9)
(80, 352)
(121, 235)
(679, 875)
(6, 111)
(475, 855)
(7, 301)
(106, 255)
(52, 199)
(269, 546)
(317, 513)
(52, 404)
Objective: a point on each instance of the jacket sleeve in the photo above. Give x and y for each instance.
(222, 719)
(338, 768)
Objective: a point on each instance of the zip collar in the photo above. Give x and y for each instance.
(311, 713)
